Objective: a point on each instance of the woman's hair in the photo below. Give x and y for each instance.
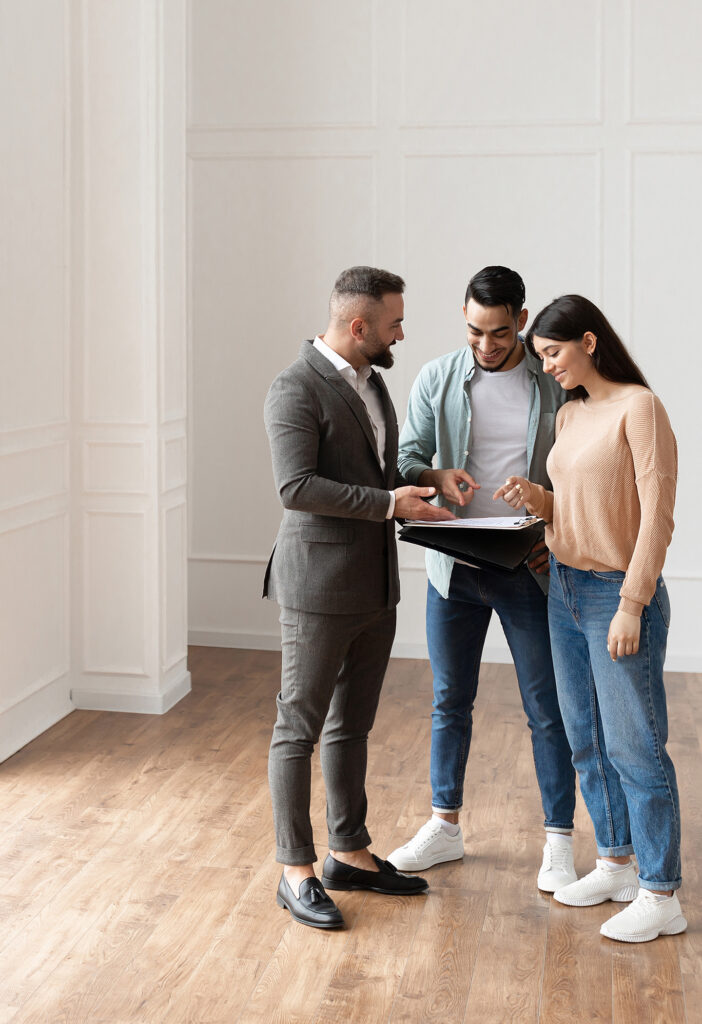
(568, 319)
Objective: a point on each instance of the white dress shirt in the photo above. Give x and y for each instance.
(368, 393)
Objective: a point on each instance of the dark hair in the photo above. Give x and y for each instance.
(368, 281)
(568, 318)
(497, 286)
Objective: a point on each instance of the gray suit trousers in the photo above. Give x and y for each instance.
(332, 672)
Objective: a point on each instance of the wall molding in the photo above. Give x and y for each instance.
(508, 123)
(263, 560)
(142, 703)
(24, 719)
(631, 68)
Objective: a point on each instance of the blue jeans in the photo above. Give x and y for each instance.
(617, 722)
(456, 628)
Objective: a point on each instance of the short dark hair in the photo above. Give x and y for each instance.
(497, 286)
(368, 281)
(568, 318)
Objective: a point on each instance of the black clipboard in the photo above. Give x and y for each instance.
(504, 550)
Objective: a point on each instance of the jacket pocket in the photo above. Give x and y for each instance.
(327, 534)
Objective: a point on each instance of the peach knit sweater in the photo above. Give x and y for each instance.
(614, 469)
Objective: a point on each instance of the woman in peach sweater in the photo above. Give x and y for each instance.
(609, 522)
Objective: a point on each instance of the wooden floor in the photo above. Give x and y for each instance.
(137, 877)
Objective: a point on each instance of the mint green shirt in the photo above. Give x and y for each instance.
(439, 424)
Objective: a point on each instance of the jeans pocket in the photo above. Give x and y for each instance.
(615, 576)
(663, 601)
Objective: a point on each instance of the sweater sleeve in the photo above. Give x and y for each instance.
(541, 503)
(654, 453)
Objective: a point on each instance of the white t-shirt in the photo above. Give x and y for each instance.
(500, 417)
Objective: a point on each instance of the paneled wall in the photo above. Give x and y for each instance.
(34, 380)
(93, 536)
(563, 139)
(129, 373)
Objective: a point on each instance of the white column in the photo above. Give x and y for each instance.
(129, 365)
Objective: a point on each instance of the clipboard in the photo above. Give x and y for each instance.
(504, 550)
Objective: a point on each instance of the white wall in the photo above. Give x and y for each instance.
(564, 140)
(92, 388)
(34, 381)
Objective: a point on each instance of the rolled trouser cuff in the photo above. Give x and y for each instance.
(347, 844)
(298, 856)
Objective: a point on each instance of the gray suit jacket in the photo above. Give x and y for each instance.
(335, 550)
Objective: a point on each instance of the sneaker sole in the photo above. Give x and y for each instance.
(674, 927)
(424, 865)
(551, 886)
(624, 895)
(301, 920)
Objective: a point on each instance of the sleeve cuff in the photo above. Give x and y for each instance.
(391, 510)
(632, 607)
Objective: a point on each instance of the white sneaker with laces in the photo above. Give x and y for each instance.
(431, 845)
(600, 885)
(645, 919)
(557, 867)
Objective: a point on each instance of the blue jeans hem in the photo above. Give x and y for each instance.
(659, 886)
(615, 851)
(558, 826)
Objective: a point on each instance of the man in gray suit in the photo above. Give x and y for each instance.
(333, 436)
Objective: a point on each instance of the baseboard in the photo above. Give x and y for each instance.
(491, 655)
(494, 655)
(29, 718)
(239, 641)
(134, 703)
(683, 663)
(271, 642)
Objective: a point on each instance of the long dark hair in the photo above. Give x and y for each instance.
(568, 319)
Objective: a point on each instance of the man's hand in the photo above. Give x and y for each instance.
(455, 485)
(516, 491)
(409, 504)
(623, 636)
(538, 559)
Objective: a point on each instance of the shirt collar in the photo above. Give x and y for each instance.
(338, 362)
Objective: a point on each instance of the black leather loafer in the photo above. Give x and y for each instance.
(388, 880)
(312, 906)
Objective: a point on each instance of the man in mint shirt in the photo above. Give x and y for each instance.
(486, 412)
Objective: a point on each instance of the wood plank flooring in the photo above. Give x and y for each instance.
(137, 877)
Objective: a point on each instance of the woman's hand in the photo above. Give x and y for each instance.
(516, 491)
(623, 636)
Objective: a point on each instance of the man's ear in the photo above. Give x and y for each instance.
(522, 319)
(356, 328)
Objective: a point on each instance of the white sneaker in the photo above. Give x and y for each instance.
(431, 845)
(557, 867)
(645, 919)
(600, 885)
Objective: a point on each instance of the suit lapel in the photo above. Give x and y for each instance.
(358, 407)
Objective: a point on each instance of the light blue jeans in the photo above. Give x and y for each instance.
(456, 629)
(616, 719)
